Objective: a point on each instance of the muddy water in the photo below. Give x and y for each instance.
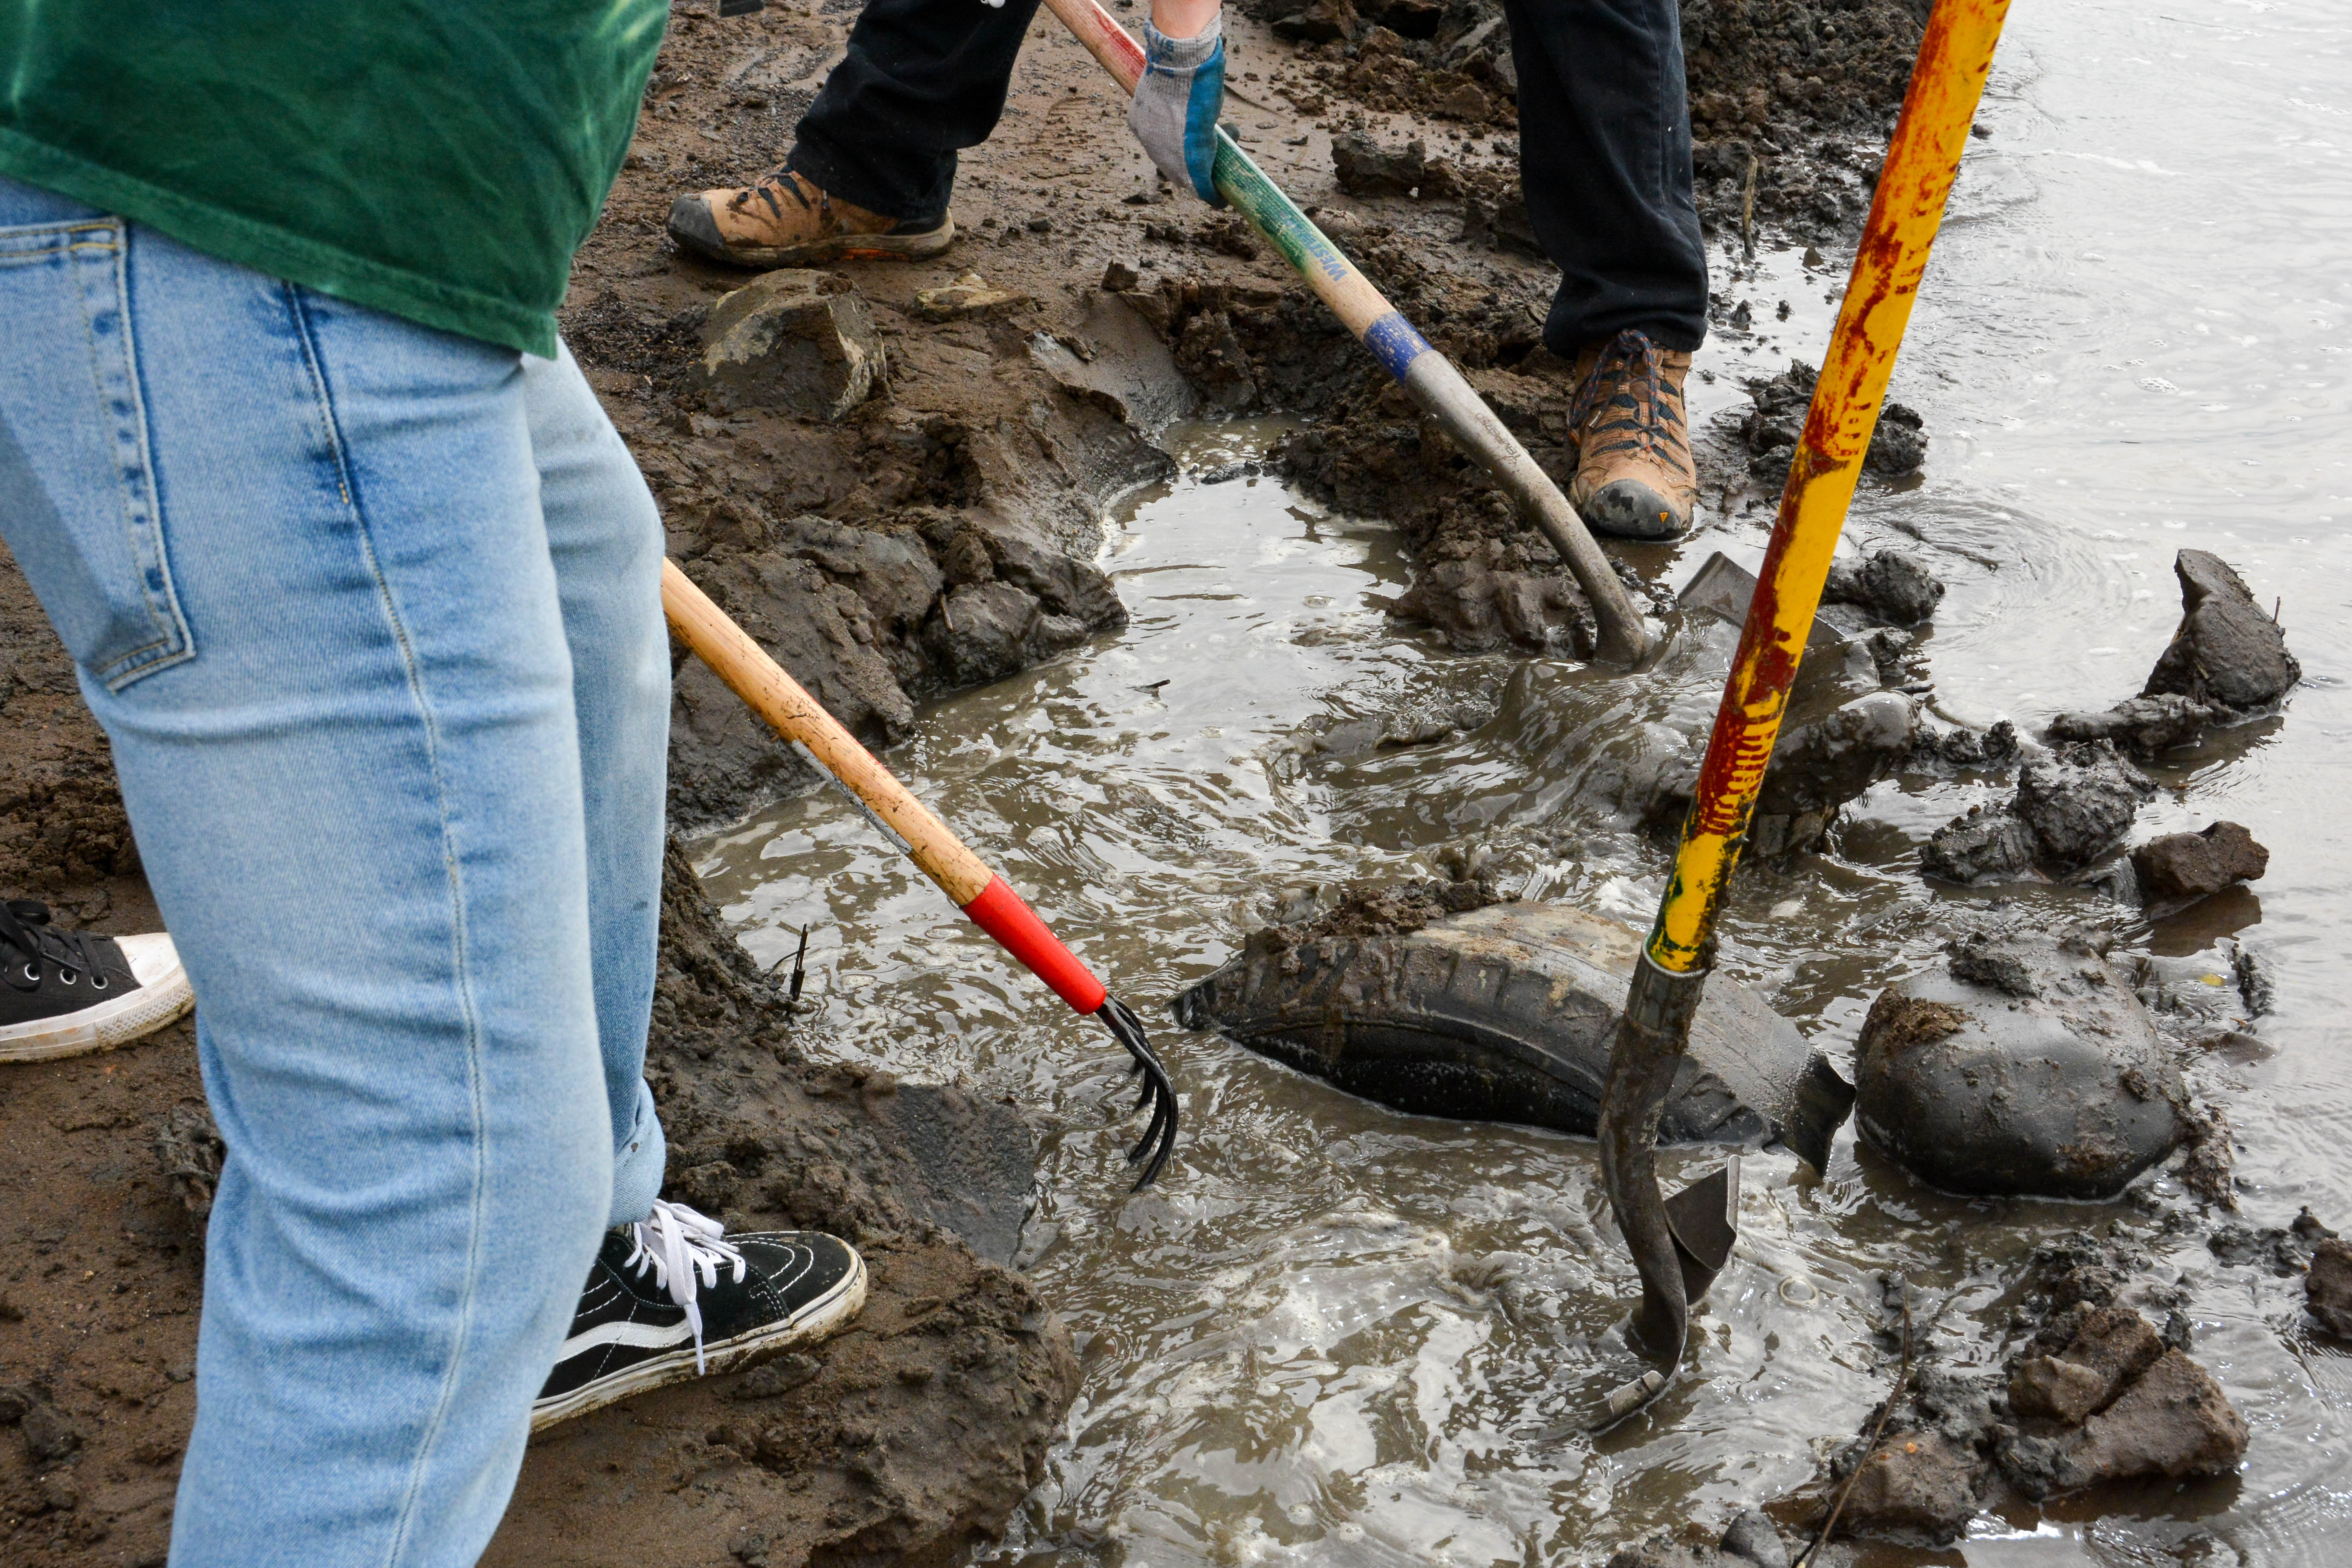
(1338, 1335)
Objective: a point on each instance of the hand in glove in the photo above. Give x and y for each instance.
(1174, 114)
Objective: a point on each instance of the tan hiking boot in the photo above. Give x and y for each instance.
(1634, 477)
(785, 221)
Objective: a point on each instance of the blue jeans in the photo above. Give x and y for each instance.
(372, 615)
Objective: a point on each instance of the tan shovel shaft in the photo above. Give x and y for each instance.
(776, 697)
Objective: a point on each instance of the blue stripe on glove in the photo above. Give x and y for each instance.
(1176, 105)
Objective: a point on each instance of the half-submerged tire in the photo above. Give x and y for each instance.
(1507, 1014)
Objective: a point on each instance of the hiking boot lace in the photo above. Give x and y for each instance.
(683, 1251)
(31, 941)
(1636, 392)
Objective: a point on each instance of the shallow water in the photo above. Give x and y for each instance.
(1335, 1334)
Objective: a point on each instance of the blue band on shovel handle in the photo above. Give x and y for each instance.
(1395, 342)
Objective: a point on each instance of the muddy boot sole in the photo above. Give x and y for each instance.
(691, 225)
(1629, 508)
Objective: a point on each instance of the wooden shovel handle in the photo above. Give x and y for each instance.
(776, 697)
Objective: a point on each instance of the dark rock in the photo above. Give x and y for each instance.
(1772, 429)
(984, 633)
(1890, 585)
(2328, 1288)
(1367, 168)
(793, 340)
(48, 1434)
(973, 1163)
(2227, 650)
(1988, 842)
(2080, 802)
(1506, 1013)
(2051, 1083)
(1321, 22)
(2112, 1346)
(1062, 583)
(2175, 1420)
(2183, 865)
(1899, 444)
(1918, 1483)
(2142, 726)
(1752, 1538)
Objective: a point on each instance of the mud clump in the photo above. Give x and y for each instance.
(1899, 445)
(2090, 1393)
(2140, 726)
(2071, 808)
(1889, 584)
(1379, 909)
(1364, 168)
(2028, 1066)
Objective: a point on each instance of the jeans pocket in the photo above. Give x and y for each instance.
(78, 495)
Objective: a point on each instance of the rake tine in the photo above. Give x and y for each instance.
(1159, 1091)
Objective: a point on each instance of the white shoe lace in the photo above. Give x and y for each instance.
(683, 1250)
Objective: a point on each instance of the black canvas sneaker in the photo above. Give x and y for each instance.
(674, 1297)
(66, 992)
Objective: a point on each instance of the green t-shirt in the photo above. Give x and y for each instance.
(437, 159)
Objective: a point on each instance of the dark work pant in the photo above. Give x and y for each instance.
(922, 78)
(1605, 159)
(1604, 141)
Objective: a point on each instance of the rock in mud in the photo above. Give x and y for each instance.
(2180, 867)
(2140, 726)
(1506, 1013)
(1320, 21)
(794, 339)
(2173, 1421)
(2328, 1288)
(1367, 168)
(2026, 1066)
(1917, 1484)
(991, 631)
(2080, 802)
(1818, 767)
(2111, 1347)
(2071, 807)
(2227, 650)
(1890, 583)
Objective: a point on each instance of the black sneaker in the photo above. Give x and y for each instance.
(66, 992)
(674, 1297)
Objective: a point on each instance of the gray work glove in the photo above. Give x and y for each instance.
(1174, 114)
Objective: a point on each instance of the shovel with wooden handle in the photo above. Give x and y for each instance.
(910, 826)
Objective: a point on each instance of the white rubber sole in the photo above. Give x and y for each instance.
(161, 997)
(819, 1319)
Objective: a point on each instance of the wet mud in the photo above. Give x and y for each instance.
(909, 1438)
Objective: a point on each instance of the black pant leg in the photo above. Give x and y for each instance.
(1605, 160)
(921, 79)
